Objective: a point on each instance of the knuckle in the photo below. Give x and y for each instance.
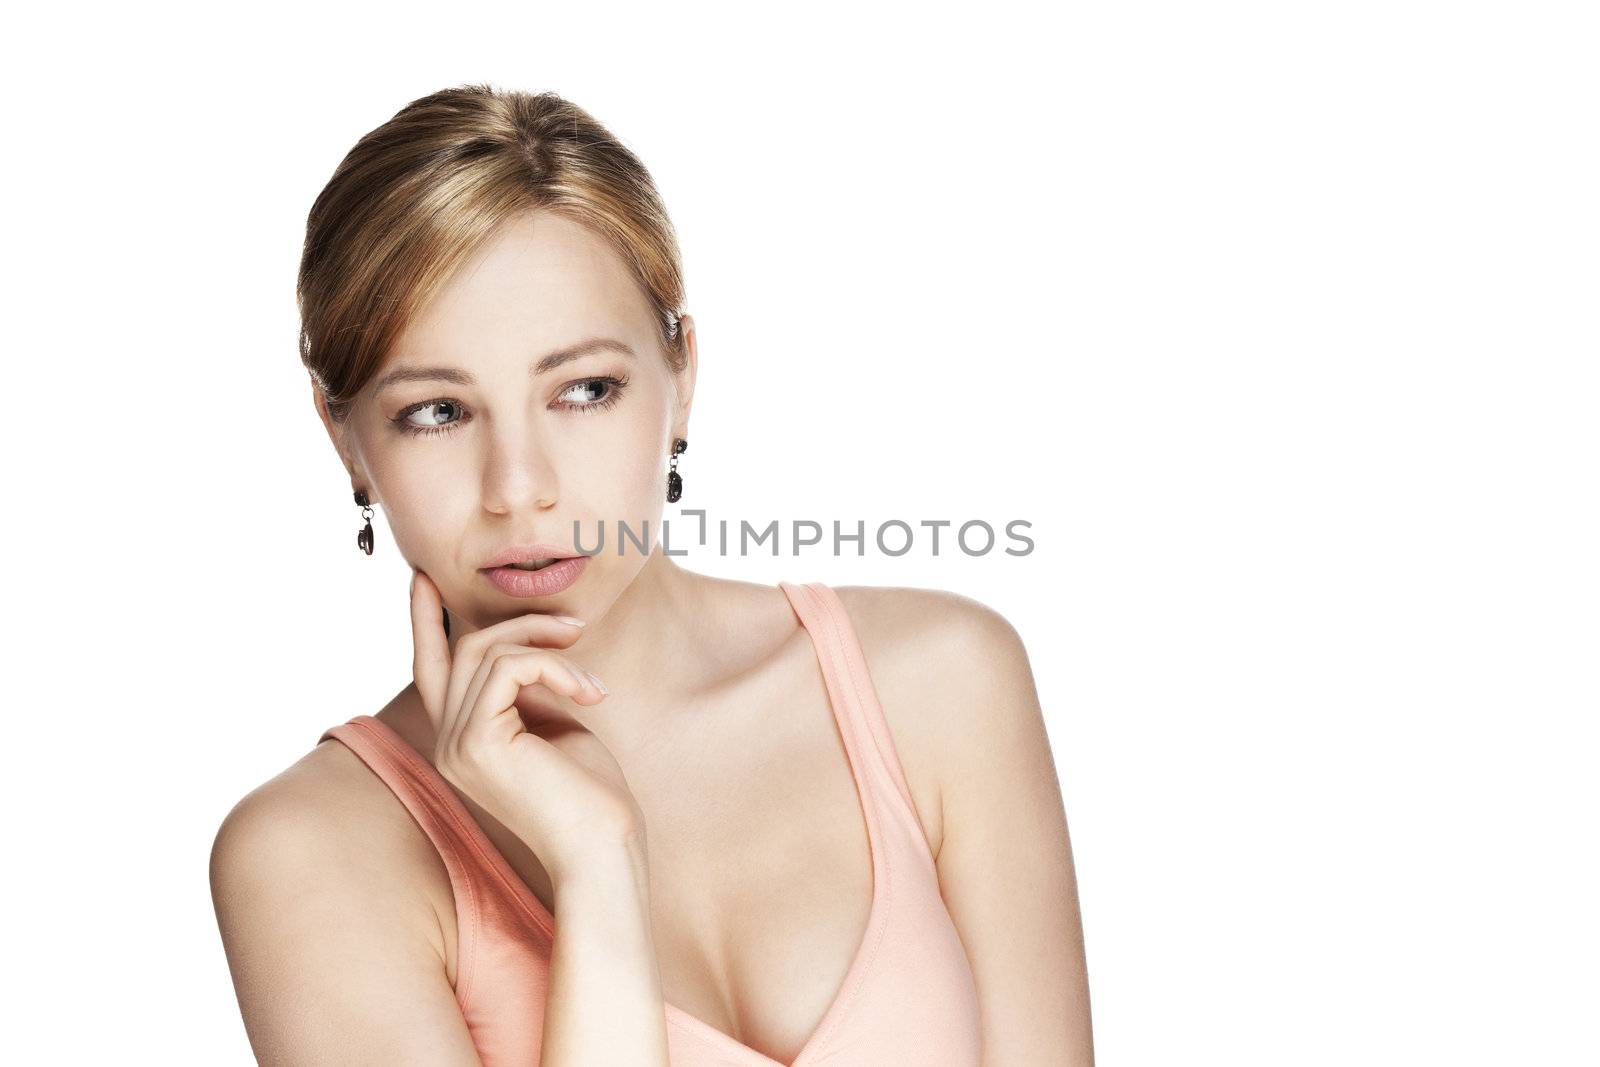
(502, 669)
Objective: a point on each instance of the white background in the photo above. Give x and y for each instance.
(1277, 321)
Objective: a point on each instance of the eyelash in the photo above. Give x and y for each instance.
(613, 394)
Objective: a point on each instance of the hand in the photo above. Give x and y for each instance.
(564, 796)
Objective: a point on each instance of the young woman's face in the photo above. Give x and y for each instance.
(509, 453)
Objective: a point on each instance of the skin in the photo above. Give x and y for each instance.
(335, 909)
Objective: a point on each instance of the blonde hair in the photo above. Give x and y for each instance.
(412, 200)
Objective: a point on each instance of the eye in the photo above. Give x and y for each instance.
(445, 416)
(403, 420)
(585, 391)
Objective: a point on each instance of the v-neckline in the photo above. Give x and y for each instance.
(835, 673)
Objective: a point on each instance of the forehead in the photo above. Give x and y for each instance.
(541, 282)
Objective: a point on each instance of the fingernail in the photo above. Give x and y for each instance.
(569, 618)
(599, 684)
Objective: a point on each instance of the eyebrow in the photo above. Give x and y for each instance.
(547, 362)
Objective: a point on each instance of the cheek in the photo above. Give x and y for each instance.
(424, 503)
(617, 477)
(617, 468)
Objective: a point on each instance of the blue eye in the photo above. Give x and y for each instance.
(613, 392)
(403, 420)
(610, 392)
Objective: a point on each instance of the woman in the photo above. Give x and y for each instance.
(787, 825)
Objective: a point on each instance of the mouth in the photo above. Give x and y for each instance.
(528, 557)
(535, 576)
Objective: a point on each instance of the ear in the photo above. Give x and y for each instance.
(686, 377)
(337, 432)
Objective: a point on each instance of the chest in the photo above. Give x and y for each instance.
(761, 871)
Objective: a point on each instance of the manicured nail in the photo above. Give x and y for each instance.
(599, 684)
(569, 618)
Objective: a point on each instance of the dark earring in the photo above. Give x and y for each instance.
(674, 479)
(364, 538)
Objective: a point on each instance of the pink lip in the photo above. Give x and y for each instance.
(524, 553)
(546, 581)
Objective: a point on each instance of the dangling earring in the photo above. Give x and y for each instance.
(364, 538)
(674, 479)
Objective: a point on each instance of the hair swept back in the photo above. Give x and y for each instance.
(416, 196)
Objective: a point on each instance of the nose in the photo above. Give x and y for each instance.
(518, 474)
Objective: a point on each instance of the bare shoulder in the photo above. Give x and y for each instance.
(326, 787)
(327, 896)
(937, 636)
(906, 616)
(327, 813)
(942, 664)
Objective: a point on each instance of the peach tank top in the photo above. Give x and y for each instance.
(908, 997)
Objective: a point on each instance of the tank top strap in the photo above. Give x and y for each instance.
(425, 795)
(855, 699)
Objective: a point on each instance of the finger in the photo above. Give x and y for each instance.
(430, 659)
(582, 687)
(551, 631)
(506, 676)
(534, 629)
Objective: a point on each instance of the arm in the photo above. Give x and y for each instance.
(1005, 860)
(604, 1003)
(331, 960)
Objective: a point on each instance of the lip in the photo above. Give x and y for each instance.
(546, 581)
(524, 553)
